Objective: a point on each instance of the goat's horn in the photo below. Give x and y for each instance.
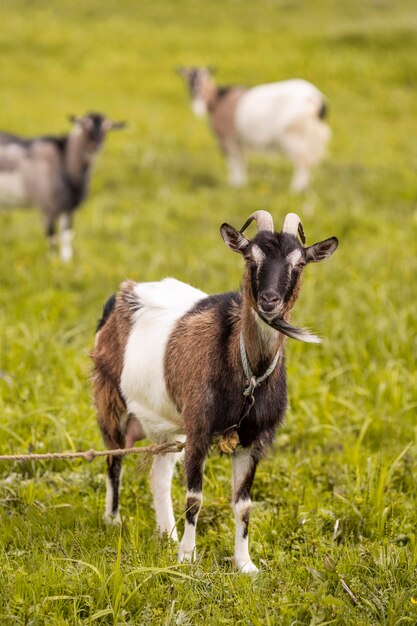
(263, 221)
(293, 225)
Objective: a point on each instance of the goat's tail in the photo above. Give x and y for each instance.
(107, 310)
(111, 409)
(323, 112)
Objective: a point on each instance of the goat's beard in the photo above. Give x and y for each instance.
(301, 334)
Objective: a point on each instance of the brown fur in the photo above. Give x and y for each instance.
(222, 116)
(78, 155)
(183, 365)
(221, 108)
(108, 356)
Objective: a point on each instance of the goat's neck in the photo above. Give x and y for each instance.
(77, 157)
(261, 340)
(209, 93)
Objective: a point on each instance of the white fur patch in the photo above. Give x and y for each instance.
(187, 550)
(266, 332)
(258, 255)
(66, 245)
(142, 380)
(242, 557)
(310, 338)
(241, 464)
(12, 189)
(161, 478)
(265, 112)
(293, 257)
(199, 107)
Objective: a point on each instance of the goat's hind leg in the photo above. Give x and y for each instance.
(49, 224)
(129, 430)
(113, 478)
(111, 417)
(66, 237)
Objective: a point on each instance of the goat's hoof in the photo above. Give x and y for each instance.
(112, 520)
(186, 556)
(248, 568)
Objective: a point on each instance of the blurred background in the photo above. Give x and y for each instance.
(158, 195)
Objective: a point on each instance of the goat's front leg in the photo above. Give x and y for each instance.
(195, 455)
(66, 236)
(243, 472)
(50, 229)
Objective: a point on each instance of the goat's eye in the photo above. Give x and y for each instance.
(300, 265)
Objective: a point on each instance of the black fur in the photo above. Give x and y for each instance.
(324, 111)
(192, 509)
(274, 274)
(114, 470)
(223, 90)
(245, 520)
(107, 310)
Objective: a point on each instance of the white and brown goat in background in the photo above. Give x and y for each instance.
(285, 116)
(52, 173)
(168, 365)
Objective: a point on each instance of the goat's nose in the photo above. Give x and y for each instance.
(269, 301)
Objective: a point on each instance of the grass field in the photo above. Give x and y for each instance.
(335, 503)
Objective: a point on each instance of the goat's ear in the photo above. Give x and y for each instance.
(321, 250)
(233, 238)
(109, 125)
(118, 125)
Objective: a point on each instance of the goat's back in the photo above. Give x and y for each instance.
(266, 111)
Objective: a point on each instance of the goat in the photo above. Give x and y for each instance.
(52, 173)
(286, 116)
(172, 363)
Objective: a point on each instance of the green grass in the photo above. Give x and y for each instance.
(336, 499)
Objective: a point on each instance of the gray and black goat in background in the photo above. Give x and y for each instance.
(53, 173)
(173, 363)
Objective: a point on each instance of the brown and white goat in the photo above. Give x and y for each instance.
(172, 363)
(52, 173)
(285, 116)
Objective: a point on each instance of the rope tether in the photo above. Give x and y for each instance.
(90, 455)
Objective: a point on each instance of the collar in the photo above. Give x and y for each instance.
(252, 380)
